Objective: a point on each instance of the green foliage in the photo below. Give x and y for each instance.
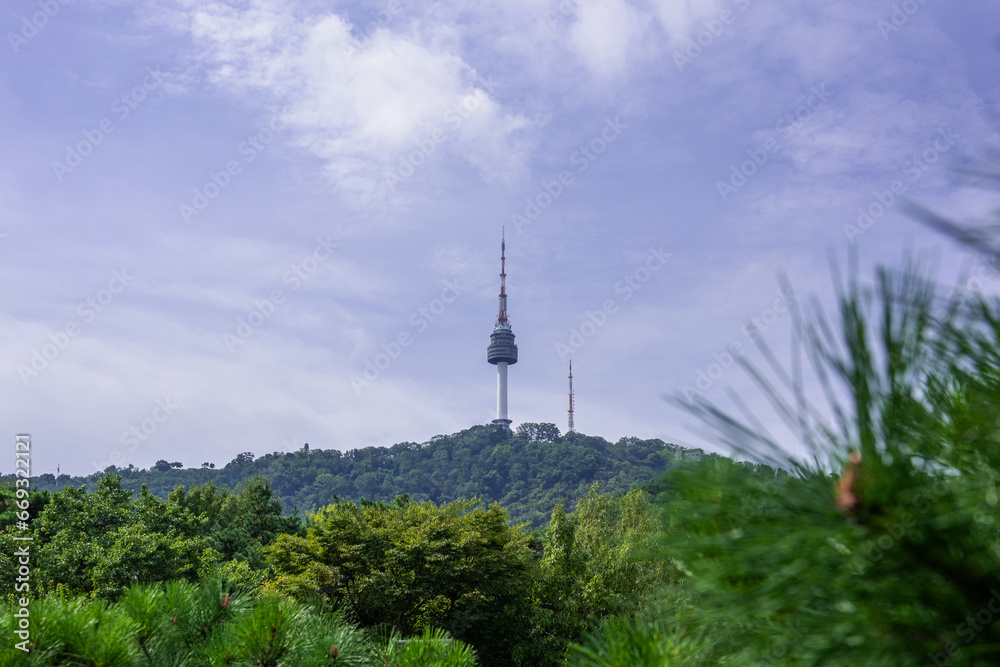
(133, 554)
(207, 624)
(594, 566)
(433, 648)
(70, 633)
(104, 542)
(528, 471)
(407, 565)
(265, 635)
(411, 565)
(11, 502)
(623, 642)
(895, 560)
(237, 573)
(538, 432)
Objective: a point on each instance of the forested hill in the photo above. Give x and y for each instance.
(528, 470)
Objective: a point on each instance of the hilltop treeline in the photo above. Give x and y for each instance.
(527, 471)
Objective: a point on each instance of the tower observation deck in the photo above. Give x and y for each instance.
(502, 352)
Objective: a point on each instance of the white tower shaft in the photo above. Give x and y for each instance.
(502, 390)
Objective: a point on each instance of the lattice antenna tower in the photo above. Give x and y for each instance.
(572, 399)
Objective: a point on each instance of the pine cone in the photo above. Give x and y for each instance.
(847, 498)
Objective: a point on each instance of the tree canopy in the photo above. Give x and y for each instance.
(528, 471)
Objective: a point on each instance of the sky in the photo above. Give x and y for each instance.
(250, 225)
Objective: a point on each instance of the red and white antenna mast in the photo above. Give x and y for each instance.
(502, 317)
(571, 401)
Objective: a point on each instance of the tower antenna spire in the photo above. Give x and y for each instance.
(571, 397)
(502, 317)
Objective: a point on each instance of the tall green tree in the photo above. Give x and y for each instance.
(594, 565)
(409, 566)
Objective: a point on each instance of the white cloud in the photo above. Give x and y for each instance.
(679, 17)
(605, 35)
(364, 103)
